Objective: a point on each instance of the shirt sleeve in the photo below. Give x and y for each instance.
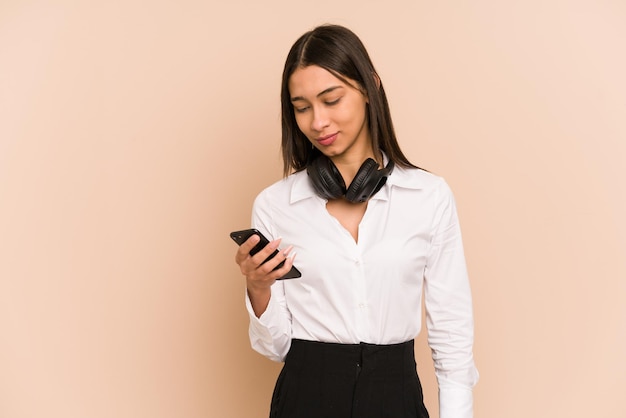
(270, 334)
(449, 316)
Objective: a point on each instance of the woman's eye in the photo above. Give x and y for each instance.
(301, 109)
(333, 102)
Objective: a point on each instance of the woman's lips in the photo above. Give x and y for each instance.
(327, 140)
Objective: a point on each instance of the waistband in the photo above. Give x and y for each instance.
(390, 358)
(340, 346)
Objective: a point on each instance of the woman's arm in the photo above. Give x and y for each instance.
(270, 319)
(449, 313)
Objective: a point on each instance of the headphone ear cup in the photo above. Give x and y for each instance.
(365, 182)
(326, 178)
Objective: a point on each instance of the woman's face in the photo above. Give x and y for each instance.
(331, 113)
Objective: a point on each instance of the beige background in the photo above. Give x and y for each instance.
(135, 134)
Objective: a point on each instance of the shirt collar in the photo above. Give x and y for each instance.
(301, 187)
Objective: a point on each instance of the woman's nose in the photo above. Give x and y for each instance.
(320, 120)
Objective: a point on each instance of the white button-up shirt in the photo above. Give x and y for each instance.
(409, 243)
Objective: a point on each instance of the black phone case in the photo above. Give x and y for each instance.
(241, 236)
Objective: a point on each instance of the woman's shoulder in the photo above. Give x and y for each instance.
(416, 178)
(285, 183)
(285, 187)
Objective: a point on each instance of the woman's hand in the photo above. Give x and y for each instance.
(260, 276)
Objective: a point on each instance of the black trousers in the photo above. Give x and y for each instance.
(326, 380)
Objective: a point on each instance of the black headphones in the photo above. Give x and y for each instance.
(329, 184)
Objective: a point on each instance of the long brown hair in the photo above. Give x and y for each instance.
(338, 50)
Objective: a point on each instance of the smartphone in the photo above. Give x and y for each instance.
(241, 236)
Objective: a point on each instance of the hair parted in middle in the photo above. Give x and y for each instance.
(339, 51)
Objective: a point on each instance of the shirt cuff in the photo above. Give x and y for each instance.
(455, 402)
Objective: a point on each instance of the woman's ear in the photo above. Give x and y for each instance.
(376, 80)
(364, 90)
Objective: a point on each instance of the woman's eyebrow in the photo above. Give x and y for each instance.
(323, 92)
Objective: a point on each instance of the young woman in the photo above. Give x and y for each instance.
(372, 233)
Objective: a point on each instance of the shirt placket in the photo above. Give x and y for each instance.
(360, 296)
